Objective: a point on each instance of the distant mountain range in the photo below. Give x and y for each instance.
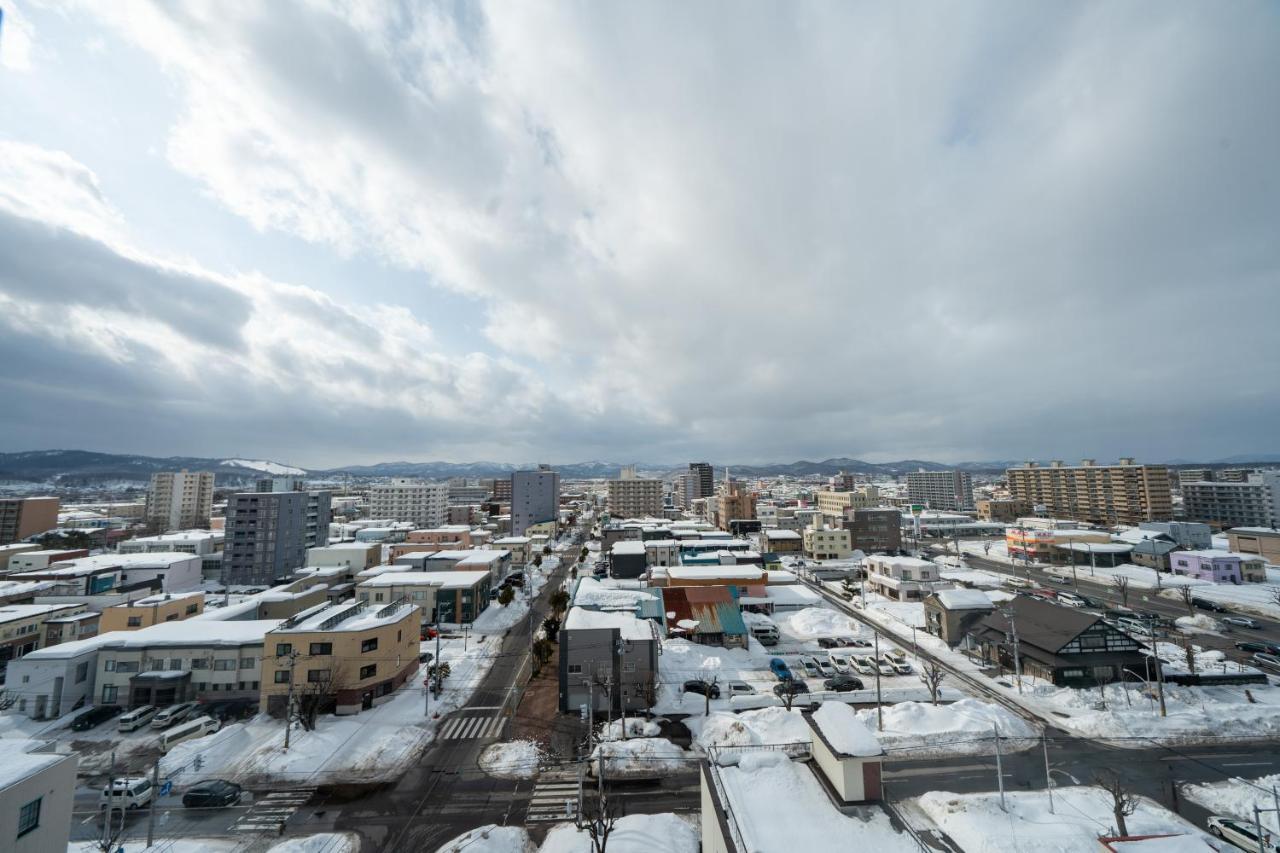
(84, 467)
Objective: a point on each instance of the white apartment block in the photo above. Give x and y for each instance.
(945, 490)
(1253, 503)
(635, 498)
(179, 500)
(421, 504)
(198, 542)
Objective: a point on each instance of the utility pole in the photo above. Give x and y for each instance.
(151, 812)
(999, 767)
(111, 786)
(288, 703)
(1155, 649)
(879, 703)
(1048, 777)
(437, 663)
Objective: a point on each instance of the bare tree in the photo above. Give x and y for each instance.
(600, 815)
(1189, 599)
(649, 690)
(542, 652)
(316, 695)
(790, 690)
(1121, 583)
(1191, 657)
(932, 674)
(709, 686)
(1123, 803)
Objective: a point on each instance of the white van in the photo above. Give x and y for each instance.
(137, 718)
(199, 727)
(127, 794)
(1070, 599)
(172, 714)
(765, 633)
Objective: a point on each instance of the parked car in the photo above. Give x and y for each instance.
(790, 686)
(902, 667)
(1206, 604)
(843, 683)
(1241, 833)
(1266, 648)
(810, 668)
(94, 716)
(172, 714)
(864, 665)
(840, 663)
(885, 666)
(124, 794)
(426, 657)
(1266, 661)
(740, 688)
(212, 793)
(1242, 622)
(140, 717)
(825, 669)
(702, 688)
(780, 669)
(828, 642)
(857, 644)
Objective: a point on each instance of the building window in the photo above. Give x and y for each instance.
(127, 666)
(282, 676)
(322, 648)
(29, 817)
(283, 649)
(109, 694)
(369, 645)
(199, 663)
(192, 608)
(369, 671)
(108, 666)
(224, 664)
(574, 669)
(317, 675)
(135, 621)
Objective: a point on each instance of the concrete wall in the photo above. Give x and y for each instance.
(51, 687)
(54, 786)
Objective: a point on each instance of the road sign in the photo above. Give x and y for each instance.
(166, 788)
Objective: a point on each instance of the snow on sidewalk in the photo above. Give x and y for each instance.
(513, 759)
(324, 842)
(637, 833)
(1237, 797)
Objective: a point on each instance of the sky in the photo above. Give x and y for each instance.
(340, 234)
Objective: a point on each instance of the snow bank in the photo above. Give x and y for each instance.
(490, 838)
(1198, 624)
(636, 727)
(1237, 797)
(961, 728)
(640, 757)
(729, 732)
(515, 759)
(324, 842)
(976, 822)
(813, 622)
(844, 731)
(636, 833)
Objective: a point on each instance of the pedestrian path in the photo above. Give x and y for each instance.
(555, 797)
(269, 812)
(471, 727)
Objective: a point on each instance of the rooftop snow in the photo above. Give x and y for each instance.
(710, 572)
(964, 599)
(627, 546)
(193, 632)
(627, 625)
(842, 729)
(18, 761)
(444, 580)
(358, 620)
(14, 612)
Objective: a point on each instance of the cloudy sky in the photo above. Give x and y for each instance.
(745, 232)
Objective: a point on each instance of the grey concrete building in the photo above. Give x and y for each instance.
(535, 498)
(36, 797)
(874, 531)
(702, 480)
(266, 536)
(608, 660)
(1253, 503)
(179, 500)
(945, 490)
(1185, 534)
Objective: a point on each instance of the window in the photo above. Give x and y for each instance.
(575, 669)
(199, 663)
(108, 666)
(317, 675)
(109, 694)
(369, 671)
(127, 666)
(369, 645)
(321, 649)
(135, 621)
(283, 649)
(224, 664)
(192, 608)
(29, 817)
(247, 663)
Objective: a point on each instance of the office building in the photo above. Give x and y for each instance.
(635, 498)
(266, 536)
(179, 500)
(734, 504)
(875, 531)
(535, 499)
(23, 517)
(419, 503)
(835, 505)
(701, 483)
(1252, 503)
(945, 490)
(1124, 493)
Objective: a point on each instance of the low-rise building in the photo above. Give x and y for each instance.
(13, 549)
(42, 558)
(903, 578)
(627, 559)
(50, 682)
(352, 555)
(1208, 565)
(708, 615)
(345, 658)
(608, 661)
(456, 597)
(199, 542)
(152, 610)
(517, 546)
(176, 572)
(71, 627)
(1191, 535)
(1039, 544)
(826, 543)
(781, 541)
(22, 628)
(37, 793)
(950, 613)
(1003, 510)
(496, 562)
(1262, 541)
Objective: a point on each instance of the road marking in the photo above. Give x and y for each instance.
(468, 728)
(554, 799)
(272, 810)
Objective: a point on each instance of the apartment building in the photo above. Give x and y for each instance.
(449, 537)
(875, 531)
(781, 541)
(179, 500)
(827, 543)
(535, 499)
(1003, 510)
(835, 505)
(37, 794)
(1124, 493)
(23, 517)
(735, 504)
(904, 578)
(608, 661)
(348, 657)
(199, 542)
(945, 490)
(22, 627)
(71, 627)
(1252, 503)
(701, 480)
(635, 498)
(266, 536)
(419, 503)
(152, 610)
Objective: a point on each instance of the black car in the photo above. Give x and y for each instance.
(791, 686)
(828, 642)
(1206, 604)
(212, 793)
(94, 717)
(843, 683)
(426, 657)
(1256, 647)
(702, 688)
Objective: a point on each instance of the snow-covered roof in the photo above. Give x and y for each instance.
(603, 595)
(159, 599)
(471, 556)
(443, 580)
(840, 726)
(627, 625)
(627, 546)
(1095, 547)
(512, 540)
(357, 618)
(901, 562)
(104, 562)
(181, 536)
(1211, 554)
(781, 534)
(193, 632)
(791, 595)
(960, 598)
(18, 760)
(1255, 531)
(709, 572)
(17, 612)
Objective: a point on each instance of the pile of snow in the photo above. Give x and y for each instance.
(323, 842)
(1198, 624)
(639, 758)
(726, 733)
(1237, 797)
(514, 759)
(636, 833)
(842, 729)
(497, 619)
(490, 838)
(636, 727)
(961, 728)
(976, 822)
(812, 622)
(1140, 577)
(976, 578)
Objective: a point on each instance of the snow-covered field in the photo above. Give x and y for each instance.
(374, 745)
(491, 838)
(1081, 814)
(967, 727)
(1237, 797)
(1258, 599)
(514, 759)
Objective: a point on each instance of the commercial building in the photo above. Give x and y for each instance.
(736, 504)
(1040, 544)
(781, 541)
(179, 500)
(152, 610)
(42, 558)
(419, 503)
(37, 792)
(13, 549)
(1262, 541)
(1125, 493)
(199, 542)
(172, 572)
(608, 661)
(946, 490)
(874, 531)
(452, 597)
(535, 499)
(24, 517)
(1253, 503)
(266, 536)
(356, 556)
(1003, 510)
(635, 498)
(826, 543)
(345, 657)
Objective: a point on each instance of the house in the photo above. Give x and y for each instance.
(950, 613)
(628, 559)
(456, 597)
(781, 541)
(37, 792)
(662, 552)
(903, 578)
(709, 615)
(350, 657)
(608, 660)
(517, 546)
(1064, 645)
(152, 610)
(497, 562)
(1210, 565)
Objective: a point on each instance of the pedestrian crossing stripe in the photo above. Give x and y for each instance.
(553, 801)
(273, 809)
(468, 728)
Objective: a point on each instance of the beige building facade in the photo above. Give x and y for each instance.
(1124, 493)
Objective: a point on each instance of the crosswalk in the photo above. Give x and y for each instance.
(270, 811)
(473, 727)
(554, 798)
